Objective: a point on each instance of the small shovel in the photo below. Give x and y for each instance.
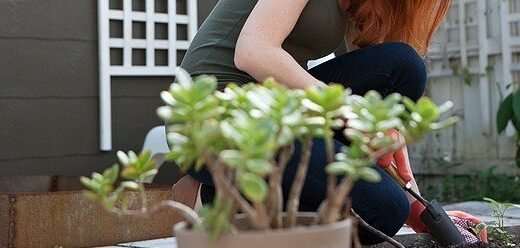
(441, 227)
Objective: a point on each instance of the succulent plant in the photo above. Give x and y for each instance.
(245, 134)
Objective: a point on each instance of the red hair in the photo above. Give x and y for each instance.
(410, 21)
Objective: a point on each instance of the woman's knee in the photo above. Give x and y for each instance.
(383, 205)
(408, 70)
(395, 212)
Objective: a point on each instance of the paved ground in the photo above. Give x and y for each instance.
(481, 210)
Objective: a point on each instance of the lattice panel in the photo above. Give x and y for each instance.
(140, 38)
(467, 43)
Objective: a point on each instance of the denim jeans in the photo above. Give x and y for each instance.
(386, 68)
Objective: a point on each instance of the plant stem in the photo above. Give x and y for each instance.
(262, 217)
(376, 232)
(223, 184)
(331, 179)
(189, 214)
(275, 199)
(143, 195)
(339, 198)
(381, 152)
(293, 202)
(325, 207)
(239, 200)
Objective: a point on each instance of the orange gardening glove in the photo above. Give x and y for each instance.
(398, 158)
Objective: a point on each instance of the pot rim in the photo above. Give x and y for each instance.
(181, 227)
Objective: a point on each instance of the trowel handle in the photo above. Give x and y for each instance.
(392, 171)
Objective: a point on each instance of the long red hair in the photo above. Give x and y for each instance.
(410, 21)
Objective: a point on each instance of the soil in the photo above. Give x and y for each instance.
(477, 245)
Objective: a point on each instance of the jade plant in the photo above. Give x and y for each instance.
(245, 135)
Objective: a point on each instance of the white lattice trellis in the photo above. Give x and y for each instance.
(147, 45)
(465, 35)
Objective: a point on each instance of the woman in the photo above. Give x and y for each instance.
(379, 46)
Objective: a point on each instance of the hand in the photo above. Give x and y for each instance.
(463, 221)
(398, 158)
(467, 221)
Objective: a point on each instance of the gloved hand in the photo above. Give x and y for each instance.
(397, 158)
(463, 221)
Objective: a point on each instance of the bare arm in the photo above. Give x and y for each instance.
(259, 49)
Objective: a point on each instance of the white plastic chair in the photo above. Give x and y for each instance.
(155, 142)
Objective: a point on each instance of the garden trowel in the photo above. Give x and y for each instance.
(434, 217)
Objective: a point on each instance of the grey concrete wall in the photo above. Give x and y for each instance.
(49, 122)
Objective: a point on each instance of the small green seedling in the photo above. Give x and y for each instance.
(101, 187)
(496, 229)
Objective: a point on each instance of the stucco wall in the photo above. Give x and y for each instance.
(49, 122)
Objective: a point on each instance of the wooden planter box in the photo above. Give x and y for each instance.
(66, 218)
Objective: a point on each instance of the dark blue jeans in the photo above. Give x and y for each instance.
(386, 68)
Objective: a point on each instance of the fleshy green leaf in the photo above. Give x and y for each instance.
(369, 174)
(253, 187)
(445, 107)
(183, 78)
(339, 168)
(90, 184)
(165, 113)
(176, 138)
(355, 135)
(111, 174)
(132, 157)
(443, 124)
(232, 158)
(130, 173)
(130, 185)
(315, 121)
(259, 102)
(91, 196)
(260, 167)
(230, 132)
(427, 109)
(388, 124)
(360, 125)
(150, 173)
(312, 106)
(410, 105)
(123, 158)
(167, 98)
(144, 157)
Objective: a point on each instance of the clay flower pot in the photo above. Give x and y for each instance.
(303, 236)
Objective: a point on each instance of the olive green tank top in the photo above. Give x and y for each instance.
(318, 32)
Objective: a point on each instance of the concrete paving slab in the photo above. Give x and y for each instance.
(482, 209)
(156, 243)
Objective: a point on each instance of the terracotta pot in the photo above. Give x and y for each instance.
(304, 236)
